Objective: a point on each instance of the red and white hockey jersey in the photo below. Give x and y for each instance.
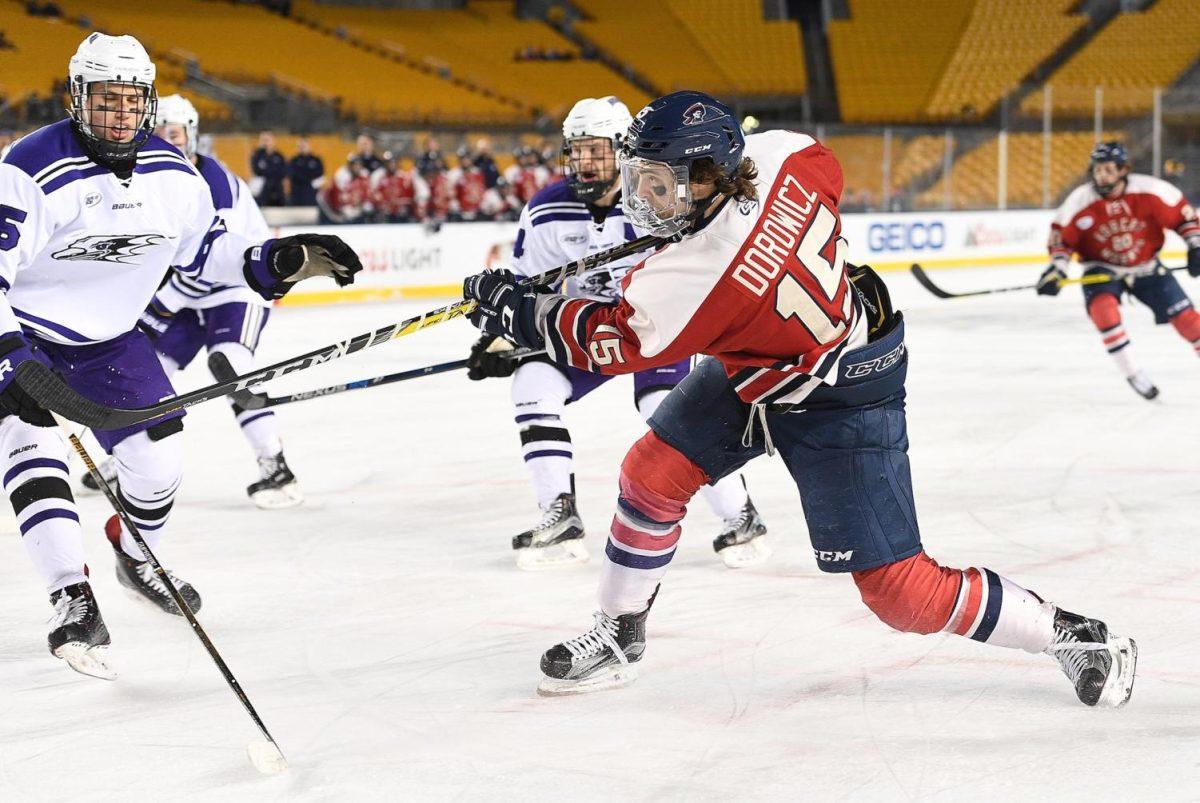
(1123, 232)
(762, 286)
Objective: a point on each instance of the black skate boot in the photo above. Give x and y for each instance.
(140, 577)
(741, 541)
(1100, 665)
(1142, 385)
(277, 487)
(556, 540)
(77, 631)
(108, 470)
(601, 658)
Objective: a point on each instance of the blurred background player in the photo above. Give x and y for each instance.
(567, 220)
(227, 320)
(1115, 224)
(805, 362)
(74, 294)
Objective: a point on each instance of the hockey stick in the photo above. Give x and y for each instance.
(266, 756)
(49, 389)
(923, 279)
(257, 401)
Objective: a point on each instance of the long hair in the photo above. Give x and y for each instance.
(740, 185)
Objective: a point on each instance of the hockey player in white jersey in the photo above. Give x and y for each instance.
(94, 210)
(186, 315)
(563, 222)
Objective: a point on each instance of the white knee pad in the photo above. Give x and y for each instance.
(540, 389)
(539, 394)
(241, 359)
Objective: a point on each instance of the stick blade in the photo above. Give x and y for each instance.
(923, 279)
(266, 757)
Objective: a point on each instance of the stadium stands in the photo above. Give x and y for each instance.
(888, 56)
(1129, 57)
(247, 43)
(719, 46)
(974, 181)
(480, 43)
(1003, 42)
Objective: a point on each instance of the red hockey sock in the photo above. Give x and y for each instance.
(1187, 324)
(917, 595)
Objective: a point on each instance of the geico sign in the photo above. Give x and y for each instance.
(913, 236)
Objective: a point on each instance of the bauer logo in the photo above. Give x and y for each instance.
(833, 556)
(917, 235)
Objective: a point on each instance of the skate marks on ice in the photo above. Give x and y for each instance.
(383, 631)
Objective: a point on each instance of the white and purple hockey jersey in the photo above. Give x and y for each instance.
(235, 204)
(556, 228)
(82, 251)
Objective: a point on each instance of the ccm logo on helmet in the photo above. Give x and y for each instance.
(698, 149)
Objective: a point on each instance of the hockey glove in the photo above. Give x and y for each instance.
(490, 357)
(273, 267)
(155, 319)
(13, 400)
(505, 307)
(1193, 263)
(1050, 282)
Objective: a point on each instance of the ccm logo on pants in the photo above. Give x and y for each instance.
(833, 557)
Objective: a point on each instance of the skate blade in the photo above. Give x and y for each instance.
(751, 553)
(87, 660)
(556, 556)
(278, 498)
(614, 677)
(1118, 688)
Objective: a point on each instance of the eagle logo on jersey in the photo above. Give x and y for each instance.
(120, 248)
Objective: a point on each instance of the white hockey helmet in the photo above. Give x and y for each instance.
(111, 63)
(589, 172)
(178, 110)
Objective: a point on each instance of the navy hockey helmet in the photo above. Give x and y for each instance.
(665, 140)
(1111, 151)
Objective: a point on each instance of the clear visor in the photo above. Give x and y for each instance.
(657, 195)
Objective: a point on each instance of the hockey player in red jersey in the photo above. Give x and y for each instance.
(805, 363)
(1115, 224)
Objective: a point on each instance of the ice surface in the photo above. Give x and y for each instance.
(392, 647)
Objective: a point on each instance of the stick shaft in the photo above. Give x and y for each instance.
(180, 602)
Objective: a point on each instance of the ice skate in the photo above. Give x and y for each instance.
(108, 470)
(602, 658)
(556, 541)
(742, 541)
(1100, 665)
(77, 632)
(277, 488)
(140, 577)
(1142, 384)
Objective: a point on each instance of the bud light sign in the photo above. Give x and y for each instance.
(917, 235)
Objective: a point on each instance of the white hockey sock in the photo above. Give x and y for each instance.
(995, 610)
(1117, 344)
(259, 427)
(539, 394)
(36, 480)
(148, 476)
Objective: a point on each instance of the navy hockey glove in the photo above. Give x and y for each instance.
(273, 267)
(490, 357)
(1050, 282)
(505, 307)
(155, 319)
(13, 400)
(1193, 263)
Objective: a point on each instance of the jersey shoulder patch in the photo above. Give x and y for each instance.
(1080, 198)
